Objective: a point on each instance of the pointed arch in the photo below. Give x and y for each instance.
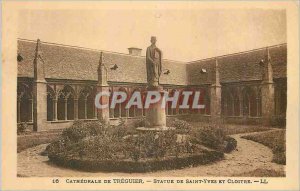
(249, 102)
(51, 104)
(207, 102)
(24, 103)
(134, 111)
(230, 101)
(86, 106)
(65, 103)
(120, 110)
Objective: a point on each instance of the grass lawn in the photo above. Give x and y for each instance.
(230, 129)
(36, 138)
(275, 140)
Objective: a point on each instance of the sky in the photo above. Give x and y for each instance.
(182, 34)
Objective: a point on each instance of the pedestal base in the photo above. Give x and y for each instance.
(155, 114)
(155, 128)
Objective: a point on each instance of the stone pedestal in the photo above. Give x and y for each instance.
(155, 114)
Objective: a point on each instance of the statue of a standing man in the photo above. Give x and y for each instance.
(153, 64)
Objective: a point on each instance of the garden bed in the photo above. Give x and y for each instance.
(96, 146)
(149, 165)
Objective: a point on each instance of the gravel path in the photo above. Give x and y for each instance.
(248, 157)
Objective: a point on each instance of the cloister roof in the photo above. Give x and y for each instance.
(75, 63)
(243, 66)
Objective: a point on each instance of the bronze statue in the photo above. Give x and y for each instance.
(153, 63)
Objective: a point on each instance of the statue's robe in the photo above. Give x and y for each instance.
(153, 65)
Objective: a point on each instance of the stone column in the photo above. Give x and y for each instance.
(66, 109)
(76, 109)
(31, 104)
(257, 106)
(55, 109)
(102, 86)
(39, 91)
(241, 104)
(85, 108)
(215, 97)
(267, 91)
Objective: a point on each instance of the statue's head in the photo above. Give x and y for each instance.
(153, 40)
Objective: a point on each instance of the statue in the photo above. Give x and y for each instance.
(153, 63)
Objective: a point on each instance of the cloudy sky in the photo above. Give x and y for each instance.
(183, 35)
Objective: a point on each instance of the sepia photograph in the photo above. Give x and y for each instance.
(139, 94)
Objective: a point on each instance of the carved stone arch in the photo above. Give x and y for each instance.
(235, 93)
(65, 102)
(123, 112)
(181, 99)
(255, 90)
(86, 99)
(207, 101)
(24, 103)
(24, 90)
(51, 103)
(224, 98)
(122, 89)
(228, 101)
(68, 91)
(51, 92)
(138, 112)
(249, 101)
(259, 104)
(85, 91)
(173, 111)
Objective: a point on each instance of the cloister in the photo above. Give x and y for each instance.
(236, 88)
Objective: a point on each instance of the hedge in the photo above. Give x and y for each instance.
(149, 165)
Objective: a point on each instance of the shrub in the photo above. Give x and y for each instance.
(180, 126)
(141, 122)
(93, 144)
(279, 158)
(111, 145)
(81, 129)
(21, 128)
(210, 137)
(123, 129)
(230, 144)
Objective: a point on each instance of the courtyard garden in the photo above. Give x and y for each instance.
(96, 146)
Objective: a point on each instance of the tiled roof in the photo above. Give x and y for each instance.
(74, 63)
(65, 62)
(238, 67)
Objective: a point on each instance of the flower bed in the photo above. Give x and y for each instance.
(138, 166)
(94, 146)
